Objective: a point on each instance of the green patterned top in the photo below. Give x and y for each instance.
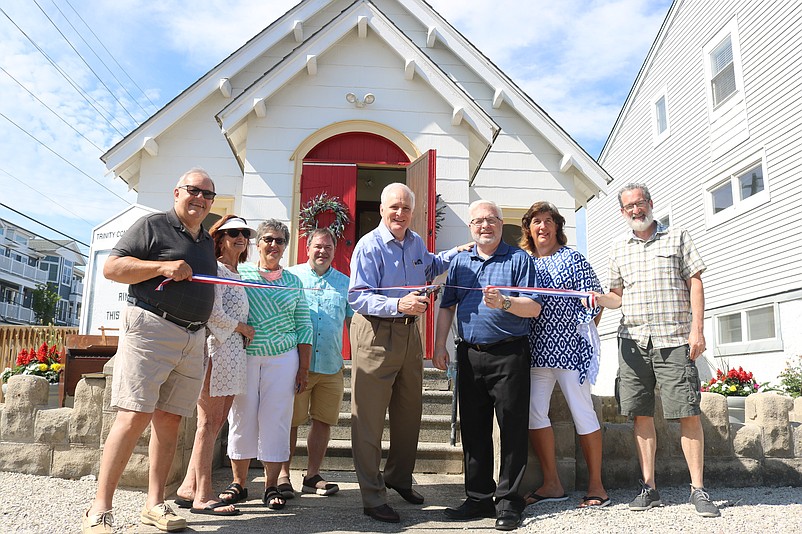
(279, 316)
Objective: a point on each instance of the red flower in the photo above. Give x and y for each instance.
(23, 358)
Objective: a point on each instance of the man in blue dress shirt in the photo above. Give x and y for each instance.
(492, 364)
(321, 399)
(387, 365)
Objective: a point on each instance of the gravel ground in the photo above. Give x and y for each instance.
(52, 505)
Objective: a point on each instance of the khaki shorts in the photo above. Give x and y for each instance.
(321, 400)
(158, 365)
(640, 370)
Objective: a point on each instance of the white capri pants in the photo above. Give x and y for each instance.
(576, 395)
(259, 420)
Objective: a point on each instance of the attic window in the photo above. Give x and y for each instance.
(661, 119)
(660, 123)
(722, 66)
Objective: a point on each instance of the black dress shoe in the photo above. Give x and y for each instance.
(508, 520)
(383, 513)
(409, 494)
(471, 509)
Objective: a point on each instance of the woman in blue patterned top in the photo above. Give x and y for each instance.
(561, 353)
(278, 366)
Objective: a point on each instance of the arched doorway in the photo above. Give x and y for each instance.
(356, 166)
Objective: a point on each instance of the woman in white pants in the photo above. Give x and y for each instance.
(562, 353)
(278, 366)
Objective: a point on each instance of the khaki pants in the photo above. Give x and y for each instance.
(387, 372)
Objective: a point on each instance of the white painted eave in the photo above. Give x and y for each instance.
(507, 91)
(361, 15)
(126, 152)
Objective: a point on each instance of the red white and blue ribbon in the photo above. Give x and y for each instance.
(552, 292)
(549, 291)
(207, 279)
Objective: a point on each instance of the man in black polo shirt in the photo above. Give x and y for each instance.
(492, 364)
(158, 369)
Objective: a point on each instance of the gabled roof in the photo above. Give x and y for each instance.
(66, 248)
(362, 15)
(122, 159)
(658, 41)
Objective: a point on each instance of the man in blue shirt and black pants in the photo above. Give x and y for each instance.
(492, 364)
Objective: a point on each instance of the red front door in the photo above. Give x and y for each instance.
(336, 180)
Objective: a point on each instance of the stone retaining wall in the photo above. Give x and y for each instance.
(767, 450)
(67, 442)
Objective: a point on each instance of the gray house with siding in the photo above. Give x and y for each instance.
(713, 124)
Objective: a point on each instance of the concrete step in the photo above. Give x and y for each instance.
(432, 457)
(433, 379)
(433, 429)
(435, 402)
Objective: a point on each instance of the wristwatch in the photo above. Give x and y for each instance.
(507, 303)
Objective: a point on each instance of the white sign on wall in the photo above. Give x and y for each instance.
(104, 300)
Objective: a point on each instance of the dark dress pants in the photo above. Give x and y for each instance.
(494, 380)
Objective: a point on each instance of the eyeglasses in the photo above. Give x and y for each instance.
(277, 240)
(629, 208)
(235, 232)
(208, 194)
(479, 221)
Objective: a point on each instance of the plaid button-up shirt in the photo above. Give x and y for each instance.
(653, 274)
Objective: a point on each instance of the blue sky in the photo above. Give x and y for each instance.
(576, 58)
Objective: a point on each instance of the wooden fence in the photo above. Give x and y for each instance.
(15, 338)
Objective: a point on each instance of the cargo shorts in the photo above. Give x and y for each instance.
(641, 370)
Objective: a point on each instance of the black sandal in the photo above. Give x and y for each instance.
(233, 494)
(311, 485)
(286, 489)
(272, 497)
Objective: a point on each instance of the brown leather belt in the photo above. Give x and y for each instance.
(406, 319)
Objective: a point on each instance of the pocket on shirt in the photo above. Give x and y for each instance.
(667, 263)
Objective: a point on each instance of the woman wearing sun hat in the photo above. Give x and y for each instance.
(226, 373)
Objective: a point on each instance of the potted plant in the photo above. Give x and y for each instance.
(735, 384)
(44, 361)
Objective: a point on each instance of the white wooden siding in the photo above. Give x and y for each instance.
(755, 254)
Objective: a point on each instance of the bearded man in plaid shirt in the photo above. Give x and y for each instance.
(656, 280)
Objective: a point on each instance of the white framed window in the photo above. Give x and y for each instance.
(723, 72)
(660, 124)
(738, 189)
(748, 330)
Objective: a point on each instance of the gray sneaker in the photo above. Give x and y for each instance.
(648, 498)
(704, 506)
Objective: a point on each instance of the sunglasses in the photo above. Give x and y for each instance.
(277, 240)
(235, 233)
(208, 194)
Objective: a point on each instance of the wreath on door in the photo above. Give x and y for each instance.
(321, 204)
